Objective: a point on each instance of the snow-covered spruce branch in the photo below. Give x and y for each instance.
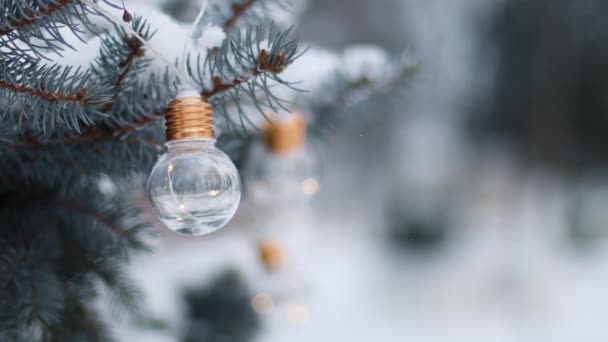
(245, 68)
(115, 74)
(241, 68)
(238, 70)
(121, 60)
(342, 92)
(38, 25)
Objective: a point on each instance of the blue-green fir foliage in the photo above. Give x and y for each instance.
(64, 129)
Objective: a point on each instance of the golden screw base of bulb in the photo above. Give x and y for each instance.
(285, 136)
(190, 117)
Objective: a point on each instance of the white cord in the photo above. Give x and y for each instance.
(187, 45)
(183, 77)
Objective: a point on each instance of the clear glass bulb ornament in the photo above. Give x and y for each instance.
(283, 178)
(284, 168)
(194, 188)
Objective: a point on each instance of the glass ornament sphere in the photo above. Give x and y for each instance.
(194, 188)
(282, 179)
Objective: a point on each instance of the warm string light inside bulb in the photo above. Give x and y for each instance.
(194, 188)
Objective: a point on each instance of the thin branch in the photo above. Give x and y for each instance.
(135, 51)
(22, 23)
(237, 12)
(219, 86)
(265, 64)
(79, 97)
(118, 230)
(97, 134)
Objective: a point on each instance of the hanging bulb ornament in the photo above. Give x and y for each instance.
(271, 254)
(194, 188)
(283, 169)
(283, 137)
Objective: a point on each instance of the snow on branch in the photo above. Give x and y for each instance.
(245, 68)
(241, 13)
(121, 60)
(33, 27)
(362, 73)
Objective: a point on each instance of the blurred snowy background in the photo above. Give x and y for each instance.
(471, 208)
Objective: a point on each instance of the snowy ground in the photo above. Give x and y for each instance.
(504, 279)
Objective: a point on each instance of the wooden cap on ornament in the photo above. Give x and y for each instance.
(284, 135)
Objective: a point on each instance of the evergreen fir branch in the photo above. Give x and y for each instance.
(79, 97)
(96, 134)
(97, 216)
(124, 296)
(31, 15)
(263, 65)
(61, 234)
(122, 59)
(51, 259)
(241, 69)
(49, 99)
(47, 160)
(38, 24)
(247, 68)
(152, 95)
(80, 321)
(126, 134)
(46, 302)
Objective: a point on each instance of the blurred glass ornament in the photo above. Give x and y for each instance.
(284, 168)
(262, 303)
(271, 254)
